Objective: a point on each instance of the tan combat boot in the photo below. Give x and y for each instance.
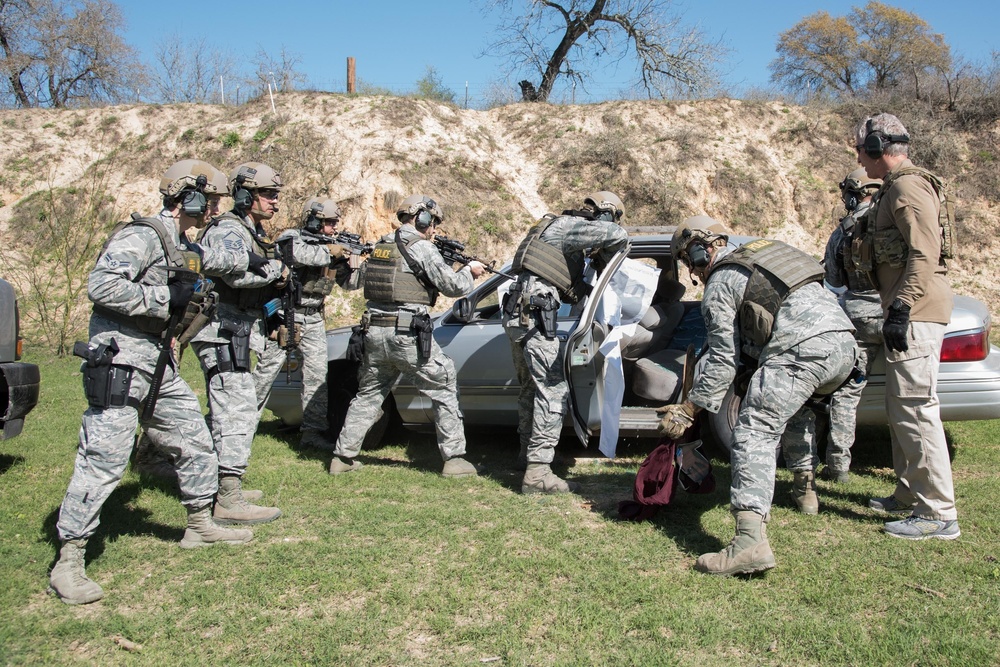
(232, 507)
(747, 553)
(69, 579)
(458, 467)
(539, 478)
(804, 492)
(202, 531)
(341, 464)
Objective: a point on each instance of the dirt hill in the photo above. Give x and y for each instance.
(763, 168)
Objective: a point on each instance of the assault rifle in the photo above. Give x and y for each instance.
(291, 293)
(350, 241)
(202, 287)
(454, 251)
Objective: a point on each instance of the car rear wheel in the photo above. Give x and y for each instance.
(342, 384)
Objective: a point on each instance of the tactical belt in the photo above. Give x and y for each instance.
(383, 320)
(148, 325)
(308, 310)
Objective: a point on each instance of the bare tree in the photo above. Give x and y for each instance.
(189, 71)
(567, 38)
(62, 53)
(15, 22)
(281, 71)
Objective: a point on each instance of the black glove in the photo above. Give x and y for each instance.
(180, 294)
(257, 264)
(897, 322)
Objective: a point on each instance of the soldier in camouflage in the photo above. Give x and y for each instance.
(863, 305)
(224, 346)
(401, 280)
(136, 297)
(318, 265)
(763, 302)
(550, 264)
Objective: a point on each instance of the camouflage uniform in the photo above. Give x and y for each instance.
(390, 352)
(544, 395)
(811, 348)
(232, 397)
(863, 305)
(129, 279)
(312, 346)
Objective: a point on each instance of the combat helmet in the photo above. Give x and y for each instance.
(190, 183)
(856, 186)
(185, 175)
(318, 209)
(695, 228)
(424, 211)
(606, 202)
(858, 181)
(254, 176)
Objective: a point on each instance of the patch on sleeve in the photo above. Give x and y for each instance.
(232, 241)
(114, 263)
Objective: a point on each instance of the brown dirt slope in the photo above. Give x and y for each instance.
(763, 168)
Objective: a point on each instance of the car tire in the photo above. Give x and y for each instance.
(717, 429)
(342, 387)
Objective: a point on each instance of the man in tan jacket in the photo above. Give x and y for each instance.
(901, 249)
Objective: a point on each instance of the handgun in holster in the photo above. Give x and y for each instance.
(236, 354)
(104, 384)
(512, 299)
(546, 310)
(356, 343)
(424, 328)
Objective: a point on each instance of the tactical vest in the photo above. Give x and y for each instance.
(548, 262)
(388, 281)
(887, 246)
(856, 279)
(317, 281)
(776, 270)
(175, 259)
(252, 298)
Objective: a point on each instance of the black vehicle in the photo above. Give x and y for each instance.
(18, 381)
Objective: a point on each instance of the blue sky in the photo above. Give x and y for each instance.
(395, 41)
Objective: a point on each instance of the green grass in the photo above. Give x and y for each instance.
(395, 565)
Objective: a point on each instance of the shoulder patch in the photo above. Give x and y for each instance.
(232, 241)
(113, 262)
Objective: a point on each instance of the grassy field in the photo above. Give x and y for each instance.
(395, 565)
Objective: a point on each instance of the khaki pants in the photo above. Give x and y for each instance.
(919, 452)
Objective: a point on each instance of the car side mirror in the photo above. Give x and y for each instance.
(461, 310)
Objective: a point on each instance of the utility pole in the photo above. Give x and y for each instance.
(350, 74)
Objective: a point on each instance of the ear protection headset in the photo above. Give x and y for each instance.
(242, 198)
(423, 219)
(697, 255)
(314, 224)
(194, 202)
(876, 141)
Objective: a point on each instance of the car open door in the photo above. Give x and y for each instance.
(582, 365)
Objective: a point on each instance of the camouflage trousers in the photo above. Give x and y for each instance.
(107, 436)
(387, 355)
(314, 367)
(844, 404)
(268, 366)
(544, 396)
(773, 413)
(233, 409)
